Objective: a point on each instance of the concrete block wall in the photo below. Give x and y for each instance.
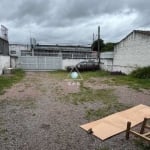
(106, 61)
(13, 62)
(131, 53)
(106, 64)
(4, 63)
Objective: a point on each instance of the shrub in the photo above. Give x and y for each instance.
(117, 73)
(141, 73)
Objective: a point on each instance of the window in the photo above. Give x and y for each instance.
(12, 52)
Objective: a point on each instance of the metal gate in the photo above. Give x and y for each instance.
(40, 62)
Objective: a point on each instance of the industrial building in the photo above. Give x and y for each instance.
(67, 51)
(4, 49)
(132, 52)
(48, 57)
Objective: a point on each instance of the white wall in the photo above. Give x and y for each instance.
(13, 62)
(65, 62)
(4, 63)
(106, 55)
(106, 64)
(106, 61)
(132, 52)
(18, 48)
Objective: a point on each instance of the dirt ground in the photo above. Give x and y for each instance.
(33, 118)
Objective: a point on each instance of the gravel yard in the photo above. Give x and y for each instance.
(36, 115)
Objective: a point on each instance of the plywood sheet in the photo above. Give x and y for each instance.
(116, 123)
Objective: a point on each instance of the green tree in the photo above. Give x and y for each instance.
(95, 45)
(108, 47)
(103, 47)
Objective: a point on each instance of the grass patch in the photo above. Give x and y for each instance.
(131, 82)
(99, 73)
(59, 74)
(90, 95)
(3, 131)
(141, 73)
(111, 108)
(7, 81)
(62, 74)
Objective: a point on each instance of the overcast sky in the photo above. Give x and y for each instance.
(73, 21)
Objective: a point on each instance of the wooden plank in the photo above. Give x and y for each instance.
(116, 123)
(125, 114)
(140, 135)
(146, 134)
(103, 134)
(147, 126)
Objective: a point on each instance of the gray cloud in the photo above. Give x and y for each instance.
(72, 21)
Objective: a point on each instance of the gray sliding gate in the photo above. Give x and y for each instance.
(40, 62)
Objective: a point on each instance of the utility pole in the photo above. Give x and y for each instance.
(93, 37)
(99, 45)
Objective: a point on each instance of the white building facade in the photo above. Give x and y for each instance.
(15, 49)
(132, 52)
(106, 59)
(4, 49)
(47, 57)
(4, 63)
